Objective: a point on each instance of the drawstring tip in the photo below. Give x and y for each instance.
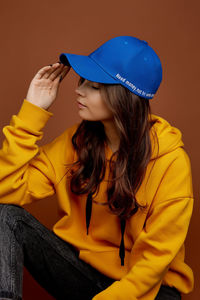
(88, 211)
(122, 248)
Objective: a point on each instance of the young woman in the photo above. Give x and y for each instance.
(122, 178)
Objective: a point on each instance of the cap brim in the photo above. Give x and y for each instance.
(87, 68)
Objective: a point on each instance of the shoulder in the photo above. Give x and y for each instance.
(176, 177)
(172, 165)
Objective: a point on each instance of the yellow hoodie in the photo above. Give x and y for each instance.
(154, 237)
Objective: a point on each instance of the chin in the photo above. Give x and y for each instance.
(86, 117)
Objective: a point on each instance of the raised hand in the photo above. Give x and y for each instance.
(45, 84)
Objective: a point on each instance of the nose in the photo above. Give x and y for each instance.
(82, 87)
(79, 90)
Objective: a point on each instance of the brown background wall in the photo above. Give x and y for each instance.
(34, 33)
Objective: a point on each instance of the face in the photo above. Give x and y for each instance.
(90, 102)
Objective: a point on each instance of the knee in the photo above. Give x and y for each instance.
(9, 212)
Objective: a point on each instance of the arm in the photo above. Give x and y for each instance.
(22, 174)
(162, 237)
(25, 168)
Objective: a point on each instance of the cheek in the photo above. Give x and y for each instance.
(100, 109)
(96, 111)
(101, 112)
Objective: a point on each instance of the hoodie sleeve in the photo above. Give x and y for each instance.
(162, 237)
(25, 171)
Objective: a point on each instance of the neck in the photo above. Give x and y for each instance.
(112, 137)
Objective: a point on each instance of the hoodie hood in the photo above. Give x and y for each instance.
(169, 137)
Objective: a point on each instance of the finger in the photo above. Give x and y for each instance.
(52, 73)
(45, 70)
(61, 76)
(41, 72)
(57, 72)
(65, 71)
(53, 69)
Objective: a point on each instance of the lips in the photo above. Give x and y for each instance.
(81, 104)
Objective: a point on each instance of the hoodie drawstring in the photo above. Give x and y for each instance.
(88, 211)
(122, 248)
(122, 224)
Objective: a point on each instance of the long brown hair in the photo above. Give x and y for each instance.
(132, 118)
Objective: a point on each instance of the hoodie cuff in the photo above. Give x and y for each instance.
(34, 116)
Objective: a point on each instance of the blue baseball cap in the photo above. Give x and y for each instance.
(124, 60)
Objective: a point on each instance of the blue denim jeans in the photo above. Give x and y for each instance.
(53, 262)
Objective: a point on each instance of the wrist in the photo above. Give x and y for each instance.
(37, 104)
